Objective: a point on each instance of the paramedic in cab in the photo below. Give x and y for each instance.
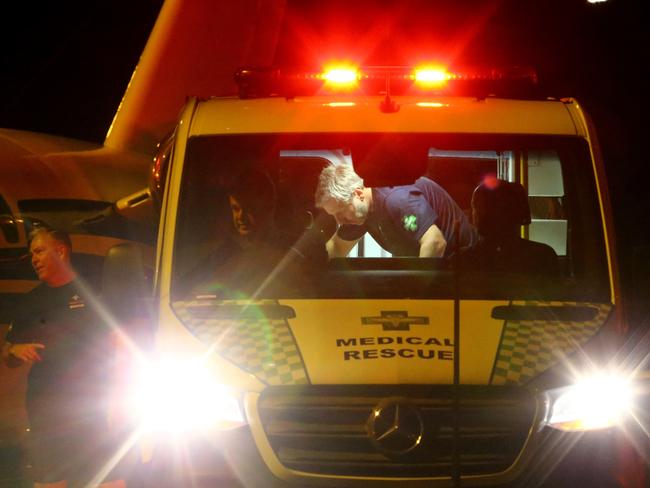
(499, 209)
(245, 249)
(253, 250)
(411, 220)
(58, 331)
(252, 204)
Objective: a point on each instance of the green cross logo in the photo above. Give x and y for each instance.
(395, 320)
(410, 223)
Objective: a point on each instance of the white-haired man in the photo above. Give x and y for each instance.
(411, 220)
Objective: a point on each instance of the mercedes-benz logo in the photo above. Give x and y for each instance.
(395, 426)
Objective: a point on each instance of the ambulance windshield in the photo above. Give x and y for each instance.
(518, 217)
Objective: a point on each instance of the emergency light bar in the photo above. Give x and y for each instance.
(514, 82)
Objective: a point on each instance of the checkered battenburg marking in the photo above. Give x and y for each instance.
(258, 345)
(529, 347)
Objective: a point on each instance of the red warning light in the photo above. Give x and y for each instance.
(341, 76)
(517, 82)
(431, 76)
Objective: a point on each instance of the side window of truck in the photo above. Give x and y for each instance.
(549, 224)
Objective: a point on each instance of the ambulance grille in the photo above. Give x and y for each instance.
(344, 430)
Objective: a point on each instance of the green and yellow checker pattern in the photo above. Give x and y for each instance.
(529, 347)
(263, 347)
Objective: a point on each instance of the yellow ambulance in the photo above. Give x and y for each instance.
(277, 365)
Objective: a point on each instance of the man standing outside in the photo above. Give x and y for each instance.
(70, 349)
(411, 220)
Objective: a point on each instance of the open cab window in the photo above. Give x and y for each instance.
(248, 225)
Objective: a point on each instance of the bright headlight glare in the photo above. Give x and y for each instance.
(598, 402)
(183, 395)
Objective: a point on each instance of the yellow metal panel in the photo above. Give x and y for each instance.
(351, 341)
(338, 347)
(321, 114)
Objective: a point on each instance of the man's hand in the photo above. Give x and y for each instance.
(27, 352)
(339, 248)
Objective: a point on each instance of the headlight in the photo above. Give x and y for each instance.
(594, 403)
(184, 395)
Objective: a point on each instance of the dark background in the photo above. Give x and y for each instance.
(65, 66)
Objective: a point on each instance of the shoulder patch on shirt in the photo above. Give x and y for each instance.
(410, 223)
(76, 302)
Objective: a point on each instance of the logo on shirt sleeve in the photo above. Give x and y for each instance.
(410, 223)
(76, 302)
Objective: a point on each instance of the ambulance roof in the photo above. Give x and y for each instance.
(422, 114)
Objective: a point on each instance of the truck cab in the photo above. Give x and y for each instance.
(380, 369)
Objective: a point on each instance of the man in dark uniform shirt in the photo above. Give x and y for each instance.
(58, 331)
(412, 220)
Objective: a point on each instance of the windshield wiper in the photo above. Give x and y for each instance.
(553, 313)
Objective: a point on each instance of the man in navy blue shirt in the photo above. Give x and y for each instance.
(59, 332)
(411, 220)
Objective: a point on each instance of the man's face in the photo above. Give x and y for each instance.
(355, 212)
(242, 218)
(49, 258)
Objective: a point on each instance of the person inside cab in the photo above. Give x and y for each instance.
(412, 220)
(252, 250)
(252, 204)
(499, 209)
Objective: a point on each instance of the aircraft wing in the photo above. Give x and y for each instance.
(193, 50)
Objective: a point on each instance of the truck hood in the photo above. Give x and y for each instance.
(392, 341)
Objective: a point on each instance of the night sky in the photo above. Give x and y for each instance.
(65, 66)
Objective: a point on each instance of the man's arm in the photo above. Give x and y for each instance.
(14, 355)
(432, 243)
(339, 248)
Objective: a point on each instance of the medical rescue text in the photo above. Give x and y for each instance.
(398, 347)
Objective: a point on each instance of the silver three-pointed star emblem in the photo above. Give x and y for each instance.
(395, 426)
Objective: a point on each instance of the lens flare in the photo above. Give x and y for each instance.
(340, 76)
(594, 403)
(431, 76)
(178, 396)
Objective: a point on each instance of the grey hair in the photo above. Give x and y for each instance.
(337, 182)
(56, 234)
